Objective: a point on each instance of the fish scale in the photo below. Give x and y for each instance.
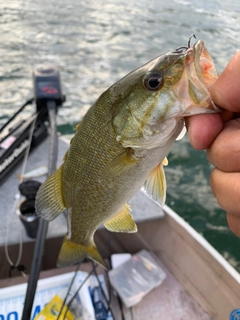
(94, 191)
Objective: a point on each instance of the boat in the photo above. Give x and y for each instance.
(198, 282)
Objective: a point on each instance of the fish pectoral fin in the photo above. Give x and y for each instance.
(122, 162)
(122, 221)
(49, 202)
(155, 185)
(72, 252)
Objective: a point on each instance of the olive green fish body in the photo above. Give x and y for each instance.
(90, 196)
(121, 145)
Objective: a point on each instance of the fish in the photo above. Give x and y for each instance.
(121, 145)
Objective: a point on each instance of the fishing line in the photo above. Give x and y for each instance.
(69, 289)
(26, 155)
(79, 288)
(16, 202)
(132, 313)
(107, 244)
(121, 307)
(12, 264)
(103, 292)
(108, 284)
(30, 101)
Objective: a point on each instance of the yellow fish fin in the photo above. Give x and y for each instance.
(165, 162)
(122, 221)
(122, 162)
(155, 185)
(49, 202)
(75, 129)
(72, 252)
(78, 126)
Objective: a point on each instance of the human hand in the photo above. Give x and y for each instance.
(220, 135)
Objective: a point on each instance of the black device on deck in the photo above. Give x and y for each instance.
(47, 87)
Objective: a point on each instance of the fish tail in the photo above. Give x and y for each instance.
(72, 252)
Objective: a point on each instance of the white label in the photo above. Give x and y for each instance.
(8, 142)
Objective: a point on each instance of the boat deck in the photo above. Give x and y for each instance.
(194, 272)
(166, 302)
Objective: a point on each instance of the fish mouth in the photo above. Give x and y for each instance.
(201, 76)
(203, 63)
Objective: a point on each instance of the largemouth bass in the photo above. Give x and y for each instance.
(121, 145)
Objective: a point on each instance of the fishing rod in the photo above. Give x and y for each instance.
(48, 96)
(43, 224)
(16, 141)
(30, 101)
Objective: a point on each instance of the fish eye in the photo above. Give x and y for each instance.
(153, 81)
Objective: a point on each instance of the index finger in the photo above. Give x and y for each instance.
(204, 128)
(225, 91)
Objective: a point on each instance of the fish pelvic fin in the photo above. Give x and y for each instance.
(72, 252)
(155, 185)
(49, 202)
(119, 164)
(122, 221)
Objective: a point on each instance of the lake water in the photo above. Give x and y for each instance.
(94, 43)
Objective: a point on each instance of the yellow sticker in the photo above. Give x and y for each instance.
(52, 310)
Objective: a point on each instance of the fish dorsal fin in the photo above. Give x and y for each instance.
(49, 202)
(122, 221)
(122, 162)
(72, 252)
(155, 185)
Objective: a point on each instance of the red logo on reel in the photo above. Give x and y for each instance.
(49, 90)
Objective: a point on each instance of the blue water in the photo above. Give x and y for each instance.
(94, 43)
